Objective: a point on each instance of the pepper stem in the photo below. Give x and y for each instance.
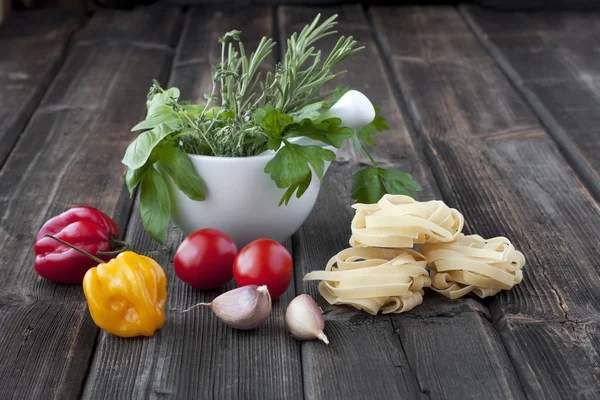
(117, 245)
(85, 253)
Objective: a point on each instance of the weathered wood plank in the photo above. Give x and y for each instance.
(32, 47)
(366, 359)
(145, 27)
(68, 155)
(497, 165)
(195, 355)
(552, 59)
(459, 369)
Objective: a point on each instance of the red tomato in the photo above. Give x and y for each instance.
(205, 259)
(264, 262)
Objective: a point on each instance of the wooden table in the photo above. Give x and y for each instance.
(496, 113)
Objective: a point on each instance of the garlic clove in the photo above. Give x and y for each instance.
(246, 307)
(304, 319)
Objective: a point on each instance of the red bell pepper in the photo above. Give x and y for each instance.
(85, 227)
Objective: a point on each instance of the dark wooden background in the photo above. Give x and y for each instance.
(495, 113)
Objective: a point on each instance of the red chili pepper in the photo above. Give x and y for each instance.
(85, 227)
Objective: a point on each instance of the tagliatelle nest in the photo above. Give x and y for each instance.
(381, 272)
(374, 279)
(473, 264)
(398, 221)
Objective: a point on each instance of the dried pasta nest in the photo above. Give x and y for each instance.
(381, 271)
(473, 264)
(398, 221)
(374, 279)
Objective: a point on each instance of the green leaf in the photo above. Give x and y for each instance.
(398, 182)
(179, 167)
(133, 177)
(290, 168)
(162, 115)
(327, 131)
(155, 205)
(140, 149)
(274, 122)
(227, 114)
(218, 111)
(366, 132)
(235, 35)
(167, 97)
(193, 110)
(370, 184)
(173, 93)
(309, 111)
(259, 115)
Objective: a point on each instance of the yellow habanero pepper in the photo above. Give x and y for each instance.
(126, 296)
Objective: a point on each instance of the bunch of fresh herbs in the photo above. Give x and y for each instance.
(254, 116)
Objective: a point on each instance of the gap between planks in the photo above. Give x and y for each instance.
(45, 85)
(565, 178)
(568, 147)
(410, 109)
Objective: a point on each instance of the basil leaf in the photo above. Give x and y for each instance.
(133, 177)
(173, 93)
(163, 115)
(193, 110)
(179, 167)
(290, 168)
(161, 99)
(140, 149)
(155, 205)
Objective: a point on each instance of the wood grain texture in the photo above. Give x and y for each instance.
(32, 48)
(195, 355)
(453, 349)
(147, 27)
(496, 164)
(68, 155)
(379, 357)
(552, 59)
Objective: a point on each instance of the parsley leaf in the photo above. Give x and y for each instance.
(259, 115)
(370, 184)
(290, 168)
(274, 122)
(366, 132)
(310, 111)
(328, 131)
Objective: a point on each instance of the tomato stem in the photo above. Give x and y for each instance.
(85, 253)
